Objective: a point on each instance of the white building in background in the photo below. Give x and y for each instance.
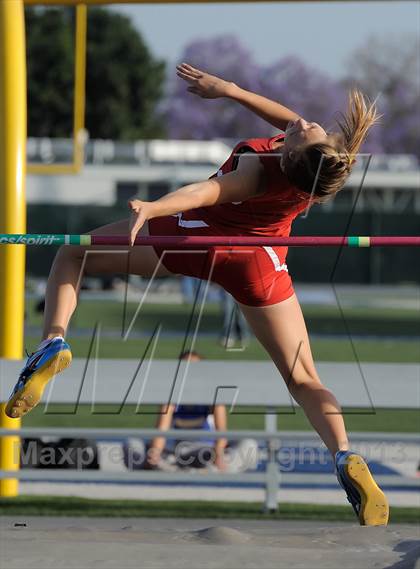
(116, 171)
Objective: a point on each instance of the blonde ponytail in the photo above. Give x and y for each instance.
(327, 165)
(361, 115)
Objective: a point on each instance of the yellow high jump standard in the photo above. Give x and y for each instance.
(12, 205)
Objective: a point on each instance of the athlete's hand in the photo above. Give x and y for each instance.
(203, 84)
(140, 212)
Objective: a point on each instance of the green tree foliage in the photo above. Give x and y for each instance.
(124, 82)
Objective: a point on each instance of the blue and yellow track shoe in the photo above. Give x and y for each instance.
(368, 500)
(41, 366)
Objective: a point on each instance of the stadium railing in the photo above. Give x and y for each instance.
(247, 385)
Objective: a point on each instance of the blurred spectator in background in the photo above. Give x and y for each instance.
(162, 454)
(189, 287)
(235, 331)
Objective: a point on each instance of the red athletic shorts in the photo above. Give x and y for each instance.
(256, 276)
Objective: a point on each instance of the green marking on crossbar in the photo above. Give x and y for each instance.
(358, 241)
(79, 239)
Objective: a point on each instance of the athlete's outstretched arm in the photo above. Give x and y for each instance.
(211, 87)
(239, 185)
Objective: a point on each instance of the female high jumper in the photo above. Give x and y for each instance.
(258, 191)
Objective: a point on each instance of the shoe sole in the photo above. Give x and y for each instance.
(374, 510)
(30, 395)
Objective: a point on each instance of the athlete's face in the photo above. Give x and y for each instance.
(300, 133)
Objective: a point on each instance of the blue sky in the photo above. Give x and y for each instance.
(323, 34)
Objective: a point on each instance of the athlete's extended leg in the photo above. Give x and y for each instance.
(282, 331)
(71, 263)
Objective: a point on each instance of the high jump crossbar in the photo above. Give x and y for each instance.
(210, 241)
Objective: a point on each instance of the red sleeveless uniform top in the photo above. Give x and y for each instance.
(270, 213)
(254, 276)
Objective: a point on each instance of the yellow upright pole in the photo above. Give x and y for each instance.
(12, 204)
(79, 86)
(78, 107)
(9, 455)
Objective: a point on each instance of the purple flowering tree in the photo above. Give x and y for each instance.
(312, 94)
(382, 66)
(290, 81)
(188, 116)
(387, 68)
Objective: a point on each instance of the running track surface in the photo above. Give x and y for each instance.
(177, 543)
